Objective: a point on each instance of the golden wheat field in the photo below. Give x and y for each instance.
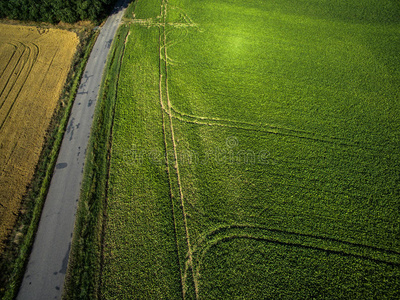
(34, 64)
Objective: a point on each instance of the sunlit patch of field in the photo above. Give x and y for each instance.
(34, 64)
(255, 152)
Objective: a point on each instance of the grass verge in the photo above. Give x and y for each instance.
(84, 267)
(15, 257)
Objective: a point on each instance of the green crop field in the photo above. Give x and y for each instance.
(256, 152)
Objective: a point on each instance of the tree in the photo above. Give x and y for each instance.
(55, 10)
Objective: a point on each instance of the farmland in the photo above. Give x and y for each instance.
(255, 152)
(34, 64)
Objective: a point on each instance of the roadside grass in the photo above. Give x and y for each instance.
(16, 255)
(82, 281)
(255, 153)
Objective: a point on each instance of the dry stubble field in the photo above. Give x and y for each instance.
(34, 64)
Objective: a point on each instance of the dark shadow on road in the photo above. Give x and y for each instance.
(121, 5)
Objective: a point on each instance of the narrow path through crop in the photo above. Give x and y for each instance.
(164, 55)
(267, 128)
(166, 153)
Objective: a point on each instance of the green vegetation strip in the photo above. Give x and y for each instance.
(44, 173)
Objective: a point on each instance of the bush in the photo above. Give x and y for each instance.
(54, 11)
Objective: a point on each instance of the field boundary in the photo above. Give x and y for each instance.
(37, 192)
(83, 274)
(118, 58)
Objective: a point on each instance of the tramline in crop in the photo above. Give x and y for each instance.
(254, 152)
